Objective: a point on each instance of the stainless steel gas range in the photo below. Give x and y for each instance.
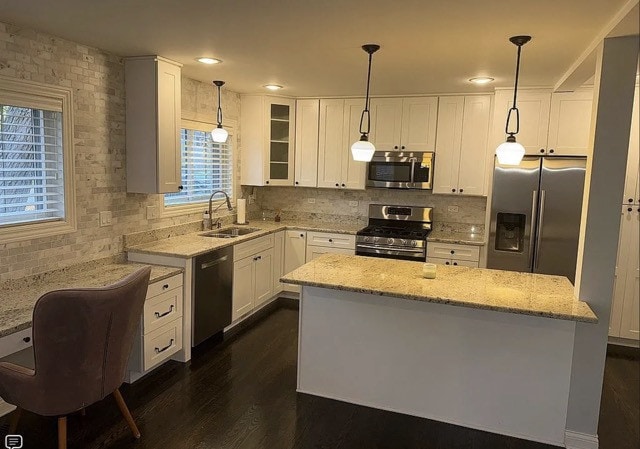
(395, 232)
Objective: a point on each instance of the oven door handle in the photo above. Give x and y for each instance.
(388, 248)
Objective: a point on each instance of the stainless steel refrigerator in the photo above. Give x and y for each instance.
(535, 215)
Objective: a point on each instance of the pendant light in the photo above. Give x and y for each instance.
(219, 134)
(511, 152)
(363, 150)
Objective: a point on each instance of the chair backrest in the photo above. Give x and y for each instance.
(82, 339)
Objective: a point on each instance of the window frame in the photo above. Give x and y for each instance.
(193, 208)
(30, 94)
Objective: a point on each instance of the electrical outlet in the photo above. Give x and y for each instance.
(311, 200)
(106, 219)
(152, 212)
(353, 203)
(452, 208)
(252, 199)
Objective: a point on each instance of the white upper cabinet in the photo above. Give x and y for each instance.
(461, 147)
(534, 107)
(267, 131)
(404, 124)
(570, 122)
(339, 123)
(153, 106)
(306, 145)
(550, 124)
(632, 178)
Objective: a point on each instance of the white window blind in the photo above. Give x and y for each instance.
(206, 167)
(31, 165)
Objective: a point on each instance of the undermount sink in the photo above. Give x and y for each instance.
(230, 233)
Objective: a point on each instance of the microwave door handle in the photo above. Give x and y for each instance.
(413, 169)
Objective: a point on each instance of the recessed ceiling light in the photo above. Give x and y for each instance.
(273, 86)
(481, 80)
(209, 60)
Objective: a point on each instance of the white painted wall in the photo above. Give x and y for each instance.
(613, 97)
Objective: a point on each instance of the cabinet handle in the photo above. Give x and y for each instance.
(402, 147)
(453, 190)
(455, 263)
(447, 263)
(629, 209)
(301, 236)
(330, 240)
(337, 185)
(552, 151)
(395, 147)
(165, 286)
(26, 339)
(461, 190)
(180, 187)
(297, 183)
(453, 252)
(266, 182)
(159, 350)
(257, 258)
(160, 315)
(630, 200)
(542, 150)
(343, 185)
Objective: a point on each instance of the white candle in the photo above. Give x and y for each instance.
(429, 271)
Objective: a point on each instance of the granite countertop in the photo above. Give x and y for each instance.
(194, 244)
(18, 297)
(504, 291)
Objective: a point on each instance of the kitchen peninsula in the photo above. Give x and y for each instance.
(486, 349)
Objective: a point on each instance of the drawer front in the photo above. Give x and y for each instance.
(15, 342)
(162, 309)
(165, 285)
(316, 251)
(162, 343)
(438, 260)
(246, 249)
(465, 263)
(451, 251)
(345, 241)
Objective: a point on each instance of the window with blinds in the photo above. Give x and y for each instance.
(206, 167)
(31, 165)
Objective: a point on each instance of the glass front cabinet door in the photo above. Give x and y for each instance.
(280, 149)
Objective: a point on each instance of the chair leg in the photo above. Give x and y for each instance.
(13, 422)
(126, 413)
(62, 432)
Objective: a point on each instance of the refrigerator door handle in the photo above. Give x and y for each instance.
(539, 230)
(534, 218)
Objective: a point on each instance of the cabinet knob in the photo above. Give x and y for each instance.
(301, 235)
(542, 150)
(395, 147)
(165, 286)
(630, 200)
(455, 263)
(180, 187)
(447, 263)
(461, 190)
(629, 209)
(337, 185)
(453, 190)
(402, 147)
(26, 339)
(552, 151)
(297, 183)
(453, 252)
(343, 185)
(266, 182)
(330, 240)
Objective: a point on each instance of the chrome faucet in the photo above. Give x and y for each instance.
(218, 206)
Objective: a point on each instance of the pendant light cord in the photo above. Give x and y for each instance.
(219, 109)
(515, 96)
(366, 102)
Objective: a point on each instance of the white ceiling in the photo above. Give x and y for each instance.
(312, 47)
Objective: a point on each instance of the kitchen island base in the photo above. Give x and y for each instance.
(500, 372)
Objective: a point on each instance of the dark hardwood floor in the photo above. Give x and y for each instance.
(241, 394)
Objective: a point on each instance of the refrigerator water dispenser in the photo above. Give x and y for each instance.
(510, 232)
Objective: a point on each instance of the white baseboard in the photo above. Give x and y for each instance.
(577, 440)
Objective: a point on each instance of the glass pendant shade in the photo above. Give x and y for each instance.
(362, 150)
(510, 152)
(219, 134)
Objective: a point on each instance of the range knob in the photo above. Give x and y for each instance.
(414, 243)
(368, 239)
(389, 241)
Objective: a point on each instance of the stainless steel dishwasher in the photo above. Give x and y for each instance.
(213, 292)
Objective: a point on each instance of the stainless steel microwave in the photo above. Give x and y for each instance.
(396, 170)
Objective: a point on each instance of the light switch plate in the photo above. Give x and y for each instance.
(106, 218)
(152, 212)
(452, 208)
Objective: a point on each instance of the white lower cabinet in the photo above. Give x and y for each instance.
(252, 275)
(160, 331)
(625, 309)
(295, 245)
(319, 243)
(453, 254)
(278, 261)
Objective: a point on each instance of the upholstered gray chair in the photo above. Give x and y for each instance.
(81, 342)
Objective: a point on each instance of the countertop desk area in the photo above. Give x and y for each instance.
(485, 349)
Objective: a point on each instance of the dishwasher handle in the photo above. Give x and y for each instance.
(213, 263)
